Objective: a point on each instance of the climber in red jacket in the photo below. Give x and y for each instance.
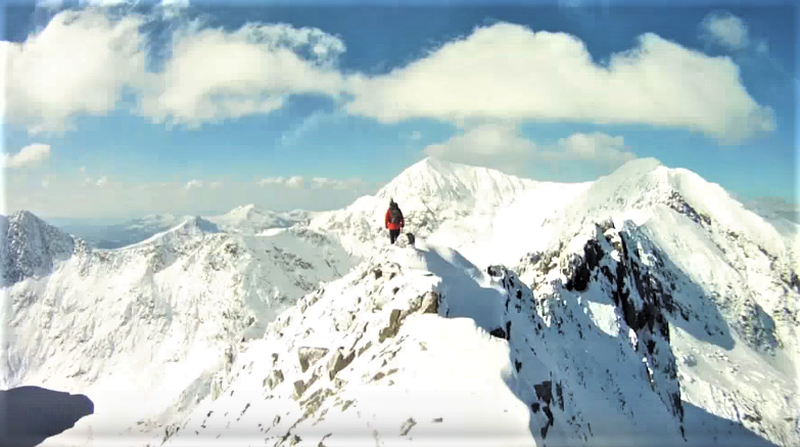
(394, 220)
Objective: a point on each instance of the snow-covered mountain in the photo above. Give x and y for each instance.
(648, 307)
(660, 312)
(122, 234)
(250, 219)
(417, 346)
(246, 219)
(447, 203)
(149, 323)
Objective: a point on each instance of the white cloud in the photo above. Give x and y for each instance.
(508, 72)
(102, 182)
(193, 184)
(78, 64)
(309, 123)
(262, 64)
(597, 146)
(295, 182)
(49, 4)
(82, 169)
(175, 3)
(500, 146)
(290, 182)
(416, 135)
(215, 185)
(82, 62)
(326, 183)
(270, 181)
(315, 183)
(495, 145)
(28, 156)
(725, 29)
(107, 3)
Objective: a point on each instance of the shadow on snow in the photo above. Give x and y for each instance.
(30, 414)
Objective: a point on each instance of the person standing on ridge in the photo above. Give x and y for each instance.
(394, 221)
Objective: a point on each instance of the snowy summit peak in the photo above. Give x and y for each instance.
(246, 211)
(433, 178)
(197, 222)
(31, 246)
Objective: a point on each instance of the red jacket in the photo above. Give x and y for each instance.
(390, 225)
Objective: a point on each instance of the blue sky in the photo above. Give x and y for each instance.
(197, 108)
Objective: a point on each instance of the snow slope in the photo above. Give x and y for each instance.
(651, 303)
(149, 323)
(446, 203)
(417, 346)
(737, 294)
(669, 315)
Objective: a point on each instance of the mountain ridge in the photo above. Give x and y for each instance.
(643, 263)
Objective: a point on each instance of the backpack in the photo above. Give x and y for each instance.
(396, 216)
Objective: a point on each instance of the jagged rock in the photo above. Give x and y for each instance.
(499, 333)
(339, 362)
(308, 356)
(407, 425)
(494, 271)
(364, 348)
(544, 391)
(274, 379)
(426, 303)
(299, 388)
(393, 327)
(579, 269)
(550, 420)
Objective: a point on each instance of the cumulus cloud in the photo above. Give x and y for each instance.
(500, 146)
(263, 64)
(296, 181)
(496, 145)
(78, 64)
(102, 182)
(725, 29)
(28, 156)
(215, 185)
(596, 146)
(193, 184)
(83, 61)
(517, 74)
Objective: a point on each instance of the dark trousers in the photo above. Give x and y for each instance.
(393, 235)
